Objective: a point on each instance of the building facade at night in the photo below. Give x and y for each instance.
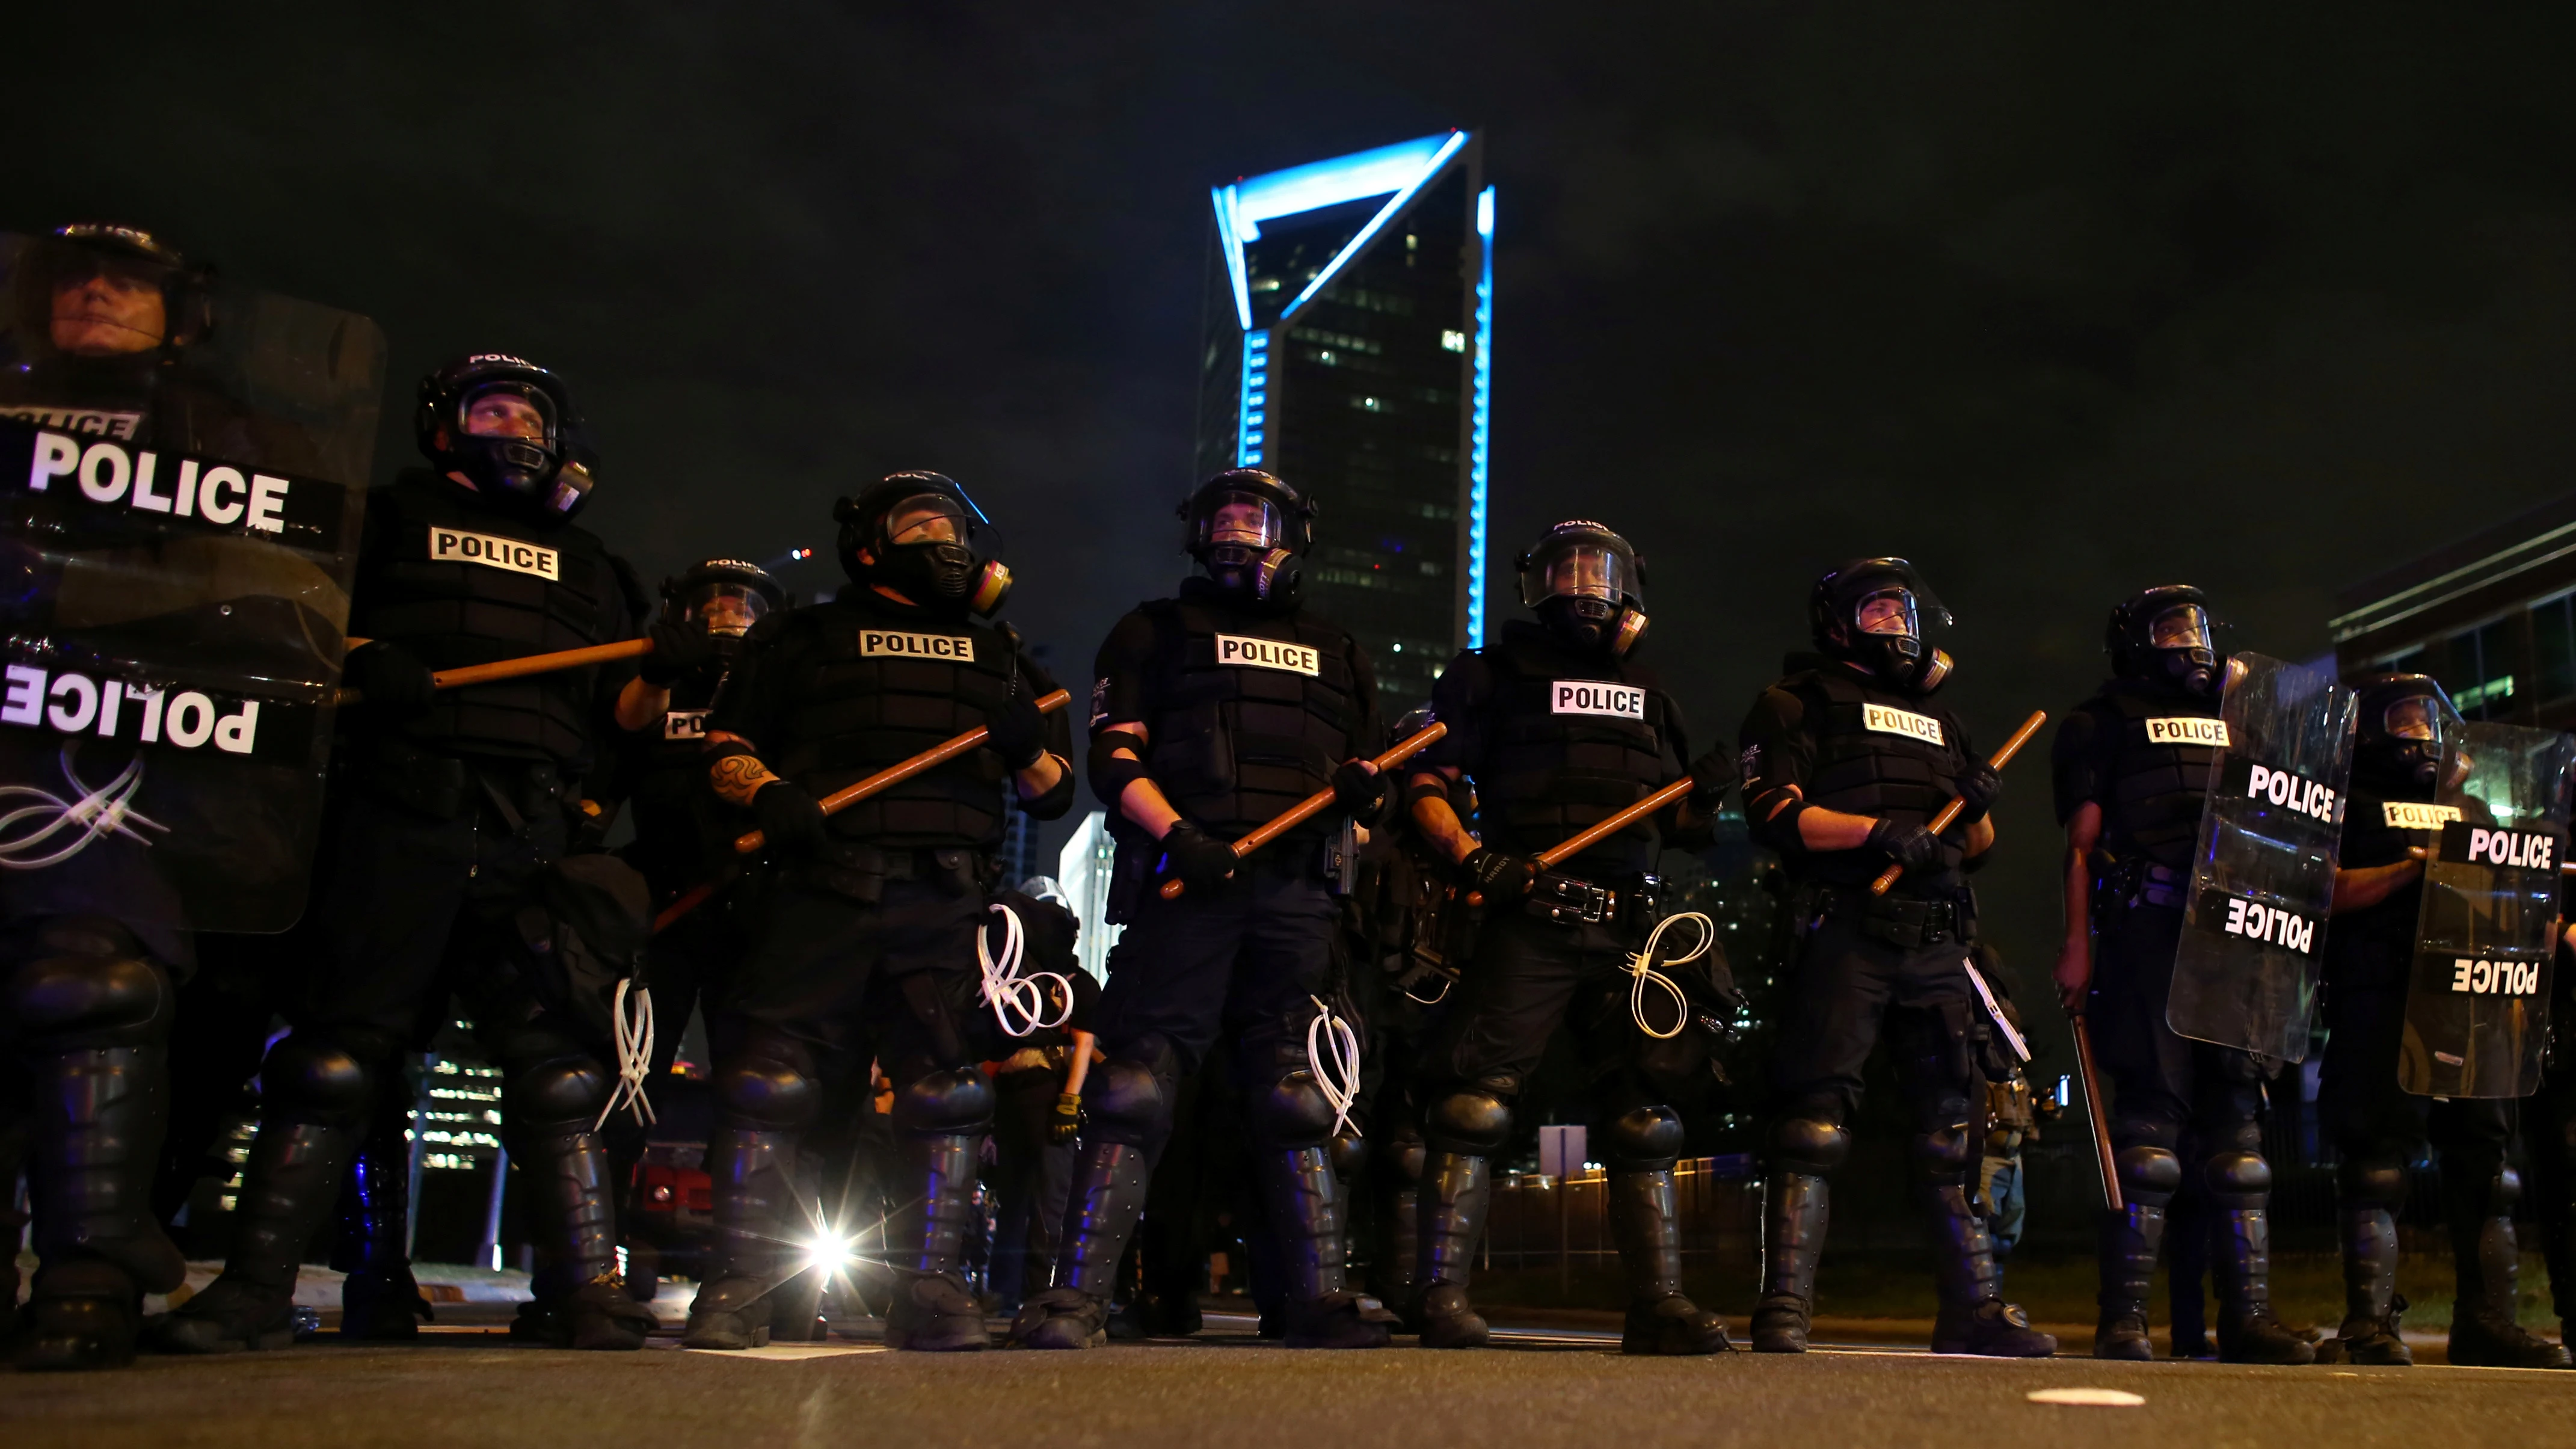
(2493, 617)
(1349, 349)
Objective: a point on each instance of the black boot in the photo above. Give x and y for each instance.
(1450, 1207)
(379, 1299)
(1795, 1208)
(1108, 1196)
(1974, 1318)
(755, 1192)
(1398, 1256)
(1645, 1220)
(581, 1301)
(2128, 1257)
(94, 1137)
(2483, 1327)
(289, 1184)
(933, 1311)
(2370, 1300)
(2247, 1330)
(1303, 1201)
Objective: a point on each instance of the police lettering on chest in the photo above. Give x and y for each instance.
(2416, 814)
(1255, 653)
(1889, 720)
(685, 724)
(1588, 696)
(2188, 730)
(491, 550)
(897, 644)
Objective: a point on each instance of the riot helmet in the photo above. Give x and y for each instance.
(2403, 721)
(1872, 612)
(108, 294)
(1250, 531)
(2166, 636)
(724, 596)
(1587, 585)
(922, 536)
(506, 426)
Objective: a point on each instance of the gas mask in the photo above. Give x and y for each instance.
(1242, 538)
(922, 548)
(1587, 586)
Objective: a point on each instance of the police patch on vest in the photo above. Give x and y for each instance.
(455, 545)
(890, 644)
(2254, 920)
(685, 724)
(1269, 654)
(2188, 731)
(1889, 720)
(2416, 814)
(1584, 696)
(2466, 844)
(2312, 798)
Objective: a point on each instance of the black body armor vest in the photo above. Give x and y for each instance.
(677, 835)
(2373, 949)
(1246, 714)
(871, 687)
(1874, 757)
(1563, 756)
(2154, 792)
(457, 585)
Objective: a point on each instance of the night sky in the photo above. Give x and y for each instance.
(2059, 301)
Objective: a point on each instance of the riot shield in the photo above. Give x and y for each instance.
(180, 523)
(2477, 996)
(2254, 925)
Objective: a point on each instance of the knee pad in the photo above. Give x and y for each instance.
(560, 1094)
(313, 1077)
(1349, 1152)
(768, 1087)
(2138, 1129)
(2148, 1175)
(2375, 1181)
(1810, 1145)
(1405, 1157)
(1643, 1139)
(1470, 1122)
(1124, 1102)
(2508, 1190)
(2238, 1181)
(1292, 1112)
(944, 1104)
(81, 992)
(1941, 1152)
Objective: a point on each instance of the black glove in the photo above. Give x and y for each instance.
(1910, 846)
(1016, 732)
(1358, 790)
(791, 821)
(389, 677)
(1711, 775)
(1064, 1120)
(1978, 785)
(1496, 873)
(679, 650)
(1195, 858)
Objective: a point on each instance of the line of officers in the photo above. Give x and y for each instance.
(451, 869)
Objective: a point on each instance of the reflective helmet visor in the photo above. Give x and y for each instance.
(1888, 611)
(925, 518)
(723, 606)
(2416, 717)
(507, 410)
(1586, 571)
(1246, 521)
(2184, 626)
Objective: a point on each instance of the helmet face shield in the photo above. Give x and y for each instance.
(925, 518)
(724, 607)
(1582, 563)
(2415, 717)
(1243, 521)
(506, 410)
(105, 304)
(2184, 626)
(1888, 612)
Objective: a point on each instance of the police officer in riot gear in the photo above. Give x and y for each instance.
(449, 808)
(1845, 760)
(1211, 713)
(2132, 774)
(1559, 727)
(2379, 1127)
(867, 939)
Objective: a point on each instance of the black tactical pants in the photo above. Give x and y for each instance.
(1532, 976)
(1846, 988)
(2163, 1082)
(1238, 963)
(2373, 1120)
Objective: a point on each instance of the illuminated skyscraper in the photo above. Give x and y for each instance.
(1350, 350)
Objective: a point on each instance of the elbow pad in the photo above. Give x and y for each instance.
(1780, 831)
(1424, 786)
(1111, 776)
(1057, 799)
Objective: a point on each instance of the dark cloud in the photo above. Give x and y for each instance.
(2058, 301)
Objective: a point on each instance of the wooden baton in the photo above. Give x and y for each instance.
(1315, 804)
(1590, 836)
(516, 668)
(1949, 815)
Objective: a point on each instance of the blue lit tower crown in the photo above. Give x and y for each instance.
(1350, 350)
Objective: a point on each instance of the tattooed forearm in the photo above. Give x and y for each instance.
(739, 777)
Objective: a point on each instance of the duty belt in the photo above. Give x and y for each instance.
(1567, 900)
(1907, 921)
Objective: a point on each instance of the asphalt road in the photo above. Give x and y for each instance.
(1553, 1386)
